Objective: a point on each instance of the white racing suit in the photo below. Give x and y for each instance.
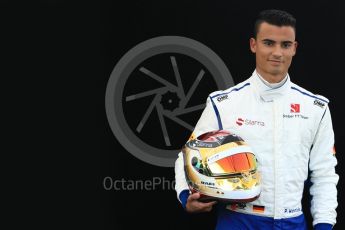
(290, 131)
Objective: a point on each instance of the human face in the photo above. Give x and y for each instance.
(274, 48)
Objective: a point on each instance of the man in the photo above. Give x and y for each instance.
(289, 129)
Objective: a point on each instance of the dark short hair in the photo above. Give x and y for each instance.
(274, 17)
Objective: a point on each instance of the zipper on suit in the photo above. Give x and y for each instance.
(274, 156)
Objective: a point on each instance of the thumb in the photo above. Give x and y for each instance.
(194, 196)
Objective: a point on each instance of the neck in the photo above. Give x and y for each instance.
(271, 78)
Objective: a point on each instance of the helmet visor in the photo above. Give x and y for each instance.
(236, 163)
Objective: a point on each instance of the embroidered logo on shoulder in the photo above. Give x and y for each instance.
(319, 103)
(222, 98)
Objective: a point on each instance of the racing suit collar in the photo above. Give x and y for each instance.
(272, 85)
(265, 92)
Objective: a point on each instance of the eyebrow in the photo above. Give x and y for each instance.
(269, 40)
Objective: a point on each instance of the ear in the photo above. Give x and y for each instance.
(252, 43)
(295, 48)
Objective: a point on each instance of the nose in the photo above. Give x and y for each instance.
(277, 51)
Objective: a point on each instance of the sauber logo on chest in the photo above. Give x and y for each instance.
(295, 108)
(295, 112)
(241, 121)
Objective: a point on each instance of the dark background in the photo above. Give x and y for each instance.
(60, 55)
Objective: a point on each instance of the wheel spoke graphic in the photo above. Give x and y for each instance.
(157, 78)
(179, 121)
(164, 128)
(189, 109)
(159, 94)
(177, 76)
(192, 89)
(147, 113)
(145, 94)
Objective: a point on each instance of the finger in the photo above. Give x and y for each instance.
(209, 204)
(194, 196)
(208, 209)
(212, 203)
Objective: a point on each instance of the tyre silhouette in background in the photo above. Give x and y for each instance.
(156, 93)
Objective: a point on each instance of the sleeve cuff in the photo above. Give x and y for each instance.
(183, 198)
(323, 226)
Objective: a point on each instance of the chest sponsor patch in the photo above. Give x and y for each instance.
(295, 116)
(295, 108)
(243, 121)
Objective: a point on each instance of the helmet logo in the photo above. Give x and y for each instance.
(246, 176)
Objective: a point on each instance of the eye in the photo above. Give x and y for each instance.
(268, 43)
(286, 45)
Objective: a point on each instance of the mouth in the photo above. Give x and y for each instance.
(275, 62)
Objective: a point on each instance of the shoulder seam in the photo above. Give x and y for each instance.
(309, 94)
(233, 89)
(220, 125)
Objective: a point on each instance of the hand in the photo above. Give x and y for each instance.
(194, 205)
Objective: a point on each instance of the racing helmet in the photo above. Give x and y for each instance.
(221, 166)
